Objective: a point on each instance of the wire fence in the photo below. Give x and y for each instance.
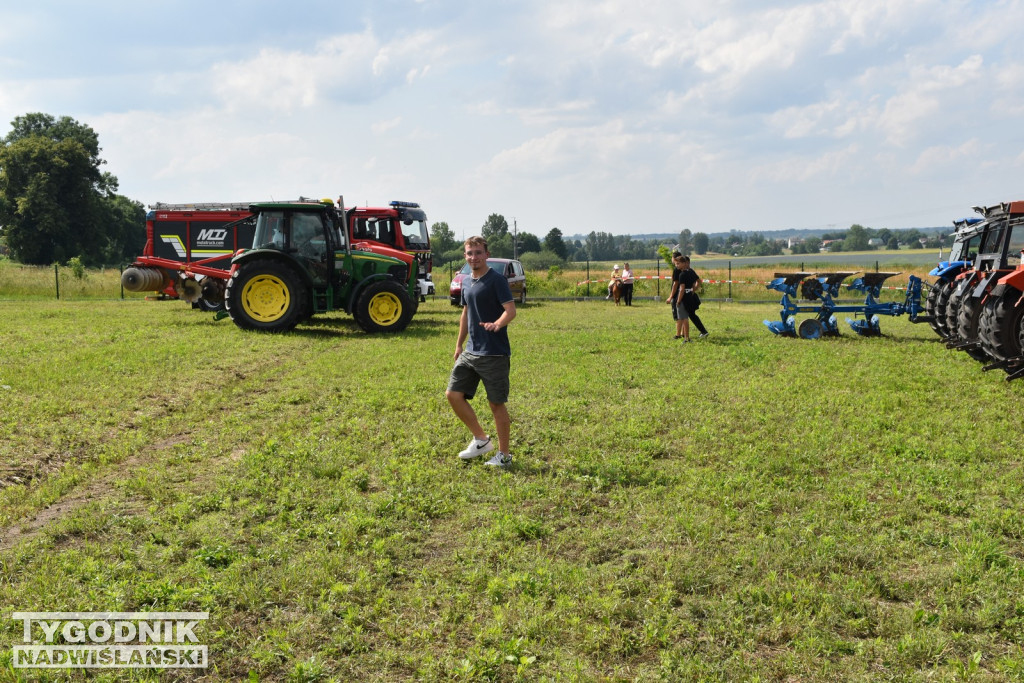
(22, 282)
(587, 280)
(728, 281)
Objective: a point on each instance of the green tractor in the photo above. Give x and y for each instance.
(301, 264)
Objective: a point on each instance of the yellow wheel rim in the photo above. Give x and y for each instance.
(385, 309)
(265, 298)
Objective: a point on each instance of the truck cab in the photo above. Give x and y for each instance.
(402, 226)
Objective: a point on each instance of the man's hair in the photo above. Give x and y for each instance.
(677, 254)
(476, 241)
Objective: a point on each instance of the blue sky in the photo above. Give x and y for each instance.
(624, 116)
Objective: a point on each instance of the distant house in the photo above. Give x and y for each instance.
(876, 242)
(825, 243)
(792, 241)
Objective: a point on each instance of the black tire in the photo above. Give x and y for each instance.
(953, 312)
(1000, 325)
(968, 325)
(384, 306)
(931, 304)
(942, 306)
(266, 295)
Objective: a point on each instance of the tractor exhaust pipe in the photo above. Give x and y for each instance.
(143, 279)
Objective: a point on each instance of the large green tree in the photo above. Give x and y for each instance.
(553, 242)
(55, 203)
(442, 238)
(495, 226)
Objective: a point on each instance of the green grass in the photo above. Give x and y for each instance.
(746, 507)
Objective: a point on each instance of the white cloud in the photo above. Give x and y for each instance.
(514, 107)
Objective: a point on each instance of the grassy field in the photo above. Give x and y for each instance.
(745, 507)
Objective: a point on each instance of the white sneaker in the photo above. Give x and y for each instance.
(702, 335)
(476, 448)
(500, 460)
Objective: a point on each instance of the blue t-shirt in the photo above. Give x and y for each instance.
(485, 301)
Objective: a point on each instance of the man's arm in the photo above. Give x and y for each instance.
(507, 316)
(463, 331)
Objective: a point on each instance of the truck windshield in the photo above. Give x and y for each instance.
(415, 234)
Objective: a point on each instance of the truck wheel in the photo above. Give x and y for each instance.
(968, 325)
(383, 307)
(265, 295)
(1000, 326)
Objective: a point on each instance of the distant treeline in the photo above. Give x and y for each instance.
(554, 248)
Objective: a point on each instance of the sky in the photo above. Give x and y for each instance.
(621, 116)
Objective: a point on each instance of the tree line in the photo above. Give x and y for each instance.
(55, 201)
(603, 246)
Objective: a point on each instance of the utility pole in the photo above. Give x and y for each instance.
(515, 239)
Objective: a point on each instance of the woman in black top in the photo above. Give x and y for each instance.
(690, 283)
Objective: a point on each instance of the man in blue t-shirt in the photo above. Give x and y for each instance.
(487, 309)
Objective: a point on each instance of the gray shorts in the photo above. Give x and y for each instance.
(470, 370)
(681, 313)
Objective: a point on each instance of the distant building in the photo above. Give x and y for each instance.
(876, 242)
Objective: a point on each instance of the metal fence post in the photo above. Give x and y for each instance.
(730, 280)
(56, 280)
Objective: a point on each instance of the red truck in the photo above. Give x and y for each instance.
(189, 246)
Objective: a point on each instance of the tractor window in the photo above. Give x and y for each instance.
(269, 230)
(308, 235)
(1016, 244)
(993, 239)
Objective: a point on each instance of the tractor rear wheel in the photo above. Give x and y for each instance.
(1001, 325)
(953, 313)
(968, 327)
(941, 307)
(266, 295)
(931, 304)
(384, 306)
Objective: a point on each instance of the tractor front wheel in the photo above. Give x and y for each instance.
(384, 306)
(265, 295)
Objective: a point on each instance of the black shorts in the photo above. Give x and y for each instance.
(493, 371)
